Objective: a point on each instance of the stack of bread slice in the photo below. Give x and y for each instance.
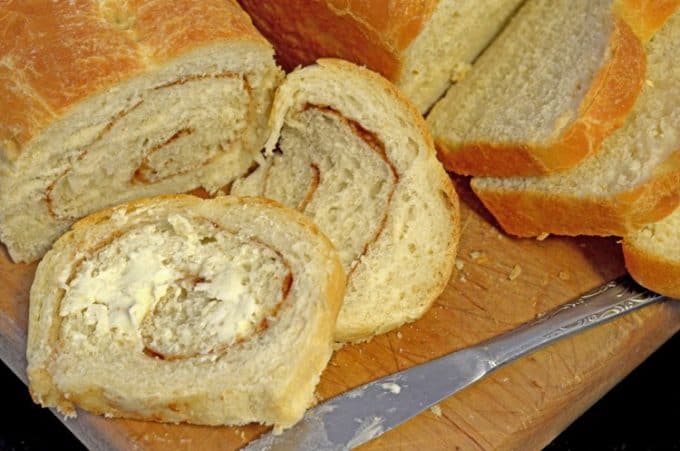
(632, 179)
(621, 170)
(225, 309)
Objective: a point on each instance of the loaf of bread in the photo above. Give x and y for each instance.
(421, 45)
(560, 78)
(107, 101)
(634, 180)
(179, 309)
(352, 154)
(652, 255)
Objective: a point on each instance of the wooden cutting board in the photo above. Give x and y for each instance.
(500, 283)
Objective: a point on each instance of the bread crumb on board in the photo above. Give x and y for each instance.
(479, 257)
(564, 275)
(436, 410)
(515, 273)
(542, 236)
(459, 264)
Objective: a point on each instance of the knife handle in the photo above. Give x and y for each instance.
(605, 303)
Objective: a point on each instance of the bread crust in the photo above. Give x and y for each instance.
(56, 54)
(605, 107)
(645, 16)
(528, 214)
(653, 271)
(285, 406)
(368, 32)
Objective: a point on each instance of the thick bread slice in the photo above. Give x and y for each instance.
(181, 309)
(108, 101)
(421, 45)
(634, 180)
(356, 157)
(560, 78)
(653, 255)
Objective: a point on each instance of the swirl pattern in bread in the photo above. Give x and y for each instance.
(350, 152)
(175, 309)
(105, 102)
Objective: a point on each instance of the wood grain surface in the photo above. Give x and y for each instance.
(500, 283)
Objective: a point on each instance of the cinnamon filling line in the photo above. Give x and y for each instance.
(148, 350)
(145, 174)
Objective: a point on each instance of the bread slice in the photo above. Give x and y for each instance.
(558, 80)
(104, 102)
(422, 46)
(352, 154)
(181, 309)
(652, 255)
(634, 180)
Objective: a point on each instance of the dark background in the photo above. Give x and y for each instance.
(641, 413)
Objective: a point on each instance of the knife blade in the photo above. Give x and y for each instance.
(363, 413)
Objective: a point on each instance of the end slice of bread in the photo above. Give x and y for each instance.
(634, 180)
(652, 255)
(560, 78)
(178, 309)
(351, 153)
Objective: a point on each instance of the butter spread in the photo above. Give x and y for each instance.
(183, 286)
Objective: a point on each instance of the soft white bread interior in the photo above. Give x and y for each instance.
(181, 309)
(422, 46)
(449, 41)
(352, 154)
(652, 255)
(104, 102)
(560, 78)
(632, 181)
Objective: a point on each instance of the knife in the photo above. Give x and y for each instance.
(362, 414)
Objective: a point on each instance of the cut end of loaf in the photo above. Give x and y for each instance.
(195, 123)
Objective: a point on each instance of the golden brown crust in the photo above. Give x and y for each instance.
(368, 32)
(652, 270)
(528, 214)
(605, 107)
(357, 71)
(55, 54)
(645, 16)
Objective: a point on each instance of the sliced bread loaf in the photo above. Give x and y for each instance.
(653, 255)
(560, 78)
(421, 45)
(104, 102)
(632, 181)
(352, 154)
(181, 309)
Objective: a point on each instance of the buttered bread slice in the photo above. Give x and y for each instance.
(558, 80)
(652, 255)
(353, 155)
(634, 180)
(181, 309)
(102, 102)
